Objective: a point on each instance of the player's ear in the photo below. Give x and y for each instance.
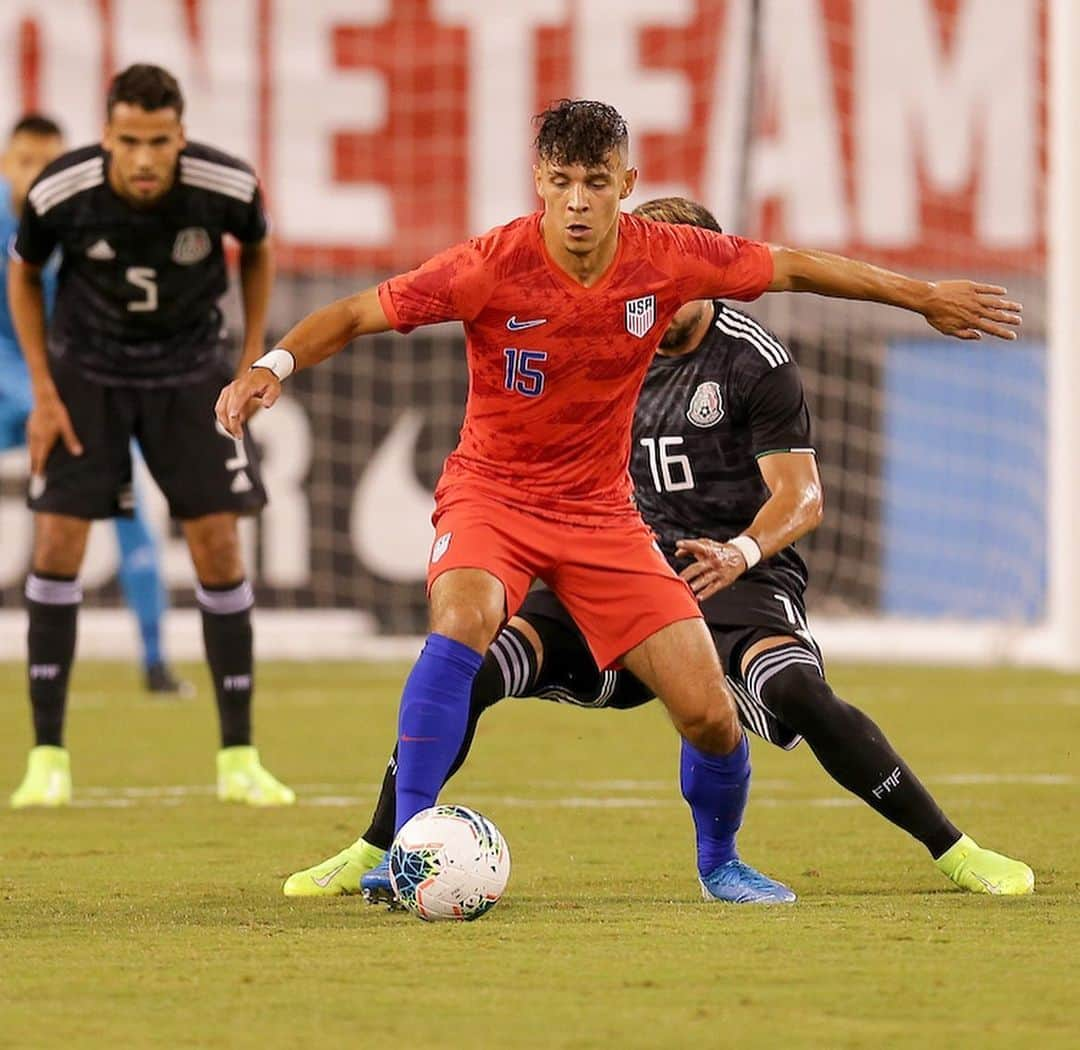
(629, 182)
(538, 180)
(183, 136)
(106, 135)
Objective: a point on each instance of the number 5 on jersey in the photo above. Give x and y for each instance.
(145, 279)
(522, 375)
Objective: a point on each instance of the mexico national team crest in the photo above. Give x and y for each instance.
(706, 406)
(191, 246)
(640, 315)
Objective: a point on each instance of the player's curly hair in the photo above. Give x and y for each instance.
(579, 131)
(148, 87)
(680, 211)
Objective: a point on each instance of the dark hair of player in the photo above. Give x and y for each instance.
(148, 87)
(36, 124)
(679, 211)
(579, 131)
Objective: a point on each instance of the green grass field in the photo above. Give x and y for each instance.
(150, 915)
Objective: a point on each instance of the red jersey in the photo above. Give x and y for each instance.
(555, 368)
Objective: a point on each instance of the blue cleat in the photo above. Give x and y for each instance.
(376, 886)
(738, 883)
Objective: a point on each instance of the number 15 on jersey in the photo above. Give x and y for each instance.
(522, 374)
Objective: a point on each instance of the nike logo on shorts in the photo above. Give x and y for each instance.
(519, 326)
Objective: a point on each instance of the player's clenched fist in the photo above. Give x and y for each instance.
(235, 404)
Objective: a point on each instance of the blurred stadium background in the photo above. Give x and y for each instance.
(933, 135)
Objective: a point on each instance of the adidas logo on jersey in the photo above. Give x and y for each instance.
(100, 250)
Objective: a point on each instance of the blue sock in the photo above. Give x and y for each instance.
(141, 582)
(432, 721)
(716, 788)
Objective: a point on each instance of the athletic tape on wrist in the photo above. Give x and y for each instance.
(748, 548)
(279, 360)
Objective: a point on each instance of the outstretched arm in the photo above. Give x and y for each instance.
(318, 336)
(965, 309)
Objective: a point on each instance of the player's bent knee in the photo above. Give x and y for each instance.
(215, 549)
(59, 544)
(712, 727)
(800, 697)
(468, 624)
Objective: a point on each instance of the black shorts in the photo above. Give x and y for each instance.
(748, 611)
(199, 468)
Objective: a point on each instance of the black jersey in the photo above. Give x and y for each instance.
(703, 420)
(138, 289)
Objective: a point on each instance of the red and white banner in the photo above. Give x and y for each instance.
(913, 130)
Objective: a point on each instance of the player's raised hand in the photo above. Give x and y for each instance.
(967, 310)
(235, 404)
(49, 421)
(715, 565)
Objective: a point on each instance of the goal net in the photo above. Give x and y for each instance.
(913, 134)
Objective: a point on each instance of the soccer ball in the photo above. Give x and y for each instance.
(449, 862)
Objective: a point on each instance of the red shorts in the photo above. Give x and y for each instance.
(612, 579)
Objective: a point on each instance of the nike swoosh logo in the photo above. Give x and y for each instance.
(992, 887)
(519, 326)
(324, 880)
(418, 739)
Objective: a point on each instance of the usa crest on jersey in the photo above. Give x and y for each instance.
(640, 315)
(706, 406)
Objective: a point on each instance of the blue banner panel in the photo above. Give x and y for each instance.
(964, 472)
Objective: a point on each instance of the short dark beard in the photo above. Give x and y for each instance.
(676, 336)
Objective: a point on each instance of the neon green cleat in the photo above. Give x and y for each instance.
(241, 777)
(980, 870)
(47, 781)
(338, 876)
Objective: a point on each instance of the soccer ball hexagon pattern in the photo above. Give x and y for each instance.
(449, 862)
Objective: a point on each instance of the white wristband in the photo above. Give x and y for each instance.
(279, 360)
(748, 548)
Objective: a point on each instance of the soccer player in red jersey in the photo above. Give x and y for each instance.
(563, 310)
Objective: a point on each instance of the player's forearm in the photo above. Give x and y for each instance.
(839, 277)
(786, 516)
(256, 281)
(26, 297)
(330, 329)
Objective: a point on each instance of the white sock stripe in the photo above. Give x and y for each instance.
(521, 657)
(753, 331)
(221, 171)
(53, 592)
(205, 182)
(749, 711)
(515, 660)
(504, 668)
(95, 165)
(769, 348)
(755, 679)
(771, 656)
(766, 675)
(61, 194)
(224, 603)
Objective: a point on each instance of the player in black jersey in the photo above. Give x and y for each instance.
(725, 474)
(134, 349)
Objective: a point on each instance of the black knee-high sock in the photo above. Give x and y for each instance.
(53, 605)
(854, 751)
(226, 621)
(509, 668)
